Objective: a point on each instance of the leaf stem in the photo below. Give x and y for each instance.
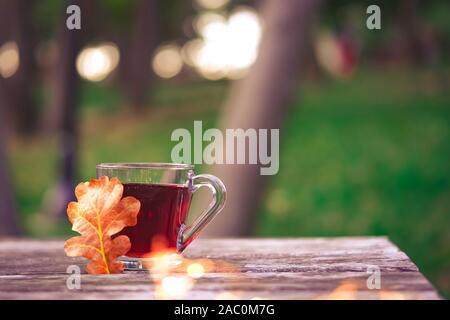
(100, 235)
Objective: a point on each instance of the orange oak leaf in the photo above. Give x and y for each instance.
(99, 214)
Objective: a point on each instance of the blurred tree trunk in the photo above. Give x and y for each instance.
(53, 118)
(65, 100)
(8, 214)
(260, 101)
(144, 39)
(17, 25)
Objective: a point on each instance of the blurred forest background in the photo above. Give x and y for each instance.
(364, 114)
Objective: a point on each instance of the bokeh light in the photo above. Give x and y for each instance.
(190, 51)
(195, 270)
(96, 63)
(335, 55)
(206, 18)
(328, 54)
(211, 4)
(176, 286)
(228, 47)
(167, 61)
(9, 59)
(345, 291)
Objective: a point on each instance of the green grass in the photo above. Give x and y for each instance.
(368, 156)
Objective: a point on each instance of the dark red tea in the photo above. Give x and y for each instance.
(163, 210)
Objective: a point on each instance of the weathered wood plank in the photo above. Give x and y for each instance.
(316, 268)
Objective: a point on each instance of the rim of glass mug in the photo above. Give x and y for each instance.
(145, 165)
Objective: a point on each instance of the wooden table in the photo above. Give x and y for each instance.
(314, 268)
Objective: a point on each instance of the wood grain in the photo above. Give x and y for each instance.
(315, 268)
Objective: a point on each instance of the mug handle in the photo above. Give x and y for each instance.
(188, 233)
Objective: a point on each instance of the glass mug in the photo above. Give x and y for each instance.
(165, 191)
